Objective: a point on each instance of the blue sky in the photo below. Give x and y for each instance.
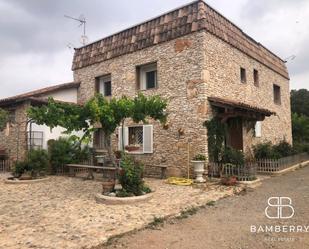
(35, 36)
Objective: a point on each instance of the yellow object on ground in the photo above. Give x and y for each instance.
(179, 181)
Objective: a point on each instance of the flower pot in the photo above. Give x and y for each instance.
(132, 148)
(108, 186)
(229, 181)
(199, 170)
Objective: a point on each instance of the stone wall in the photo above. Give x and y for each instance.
(179, 65)
(13, 137)
(222, 66)
(190, 69)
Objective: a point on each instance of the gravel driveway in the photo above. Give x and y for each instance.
(227, 223)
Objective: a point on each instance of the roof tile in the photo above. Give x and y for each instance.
(193, 17)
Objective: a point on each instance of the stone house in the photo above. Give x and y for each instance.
(205, 66)
(20, 133)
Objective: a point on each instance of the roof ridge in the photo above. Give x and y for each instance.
(192, 17)
(140, 23)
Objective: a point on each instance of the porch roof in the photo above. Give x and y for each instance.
(236, 108)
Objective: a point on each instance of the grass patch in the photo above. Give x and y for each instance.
(156, 222)
(211, 203)
(186, 213)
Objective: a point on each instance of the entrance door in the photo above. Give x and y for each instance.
(235, 134)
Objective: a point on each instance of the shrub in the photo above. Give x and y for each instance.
(60, 153)
(264, 150)
(38, 161)
(233, 156)
(283, 149)
(20, 168)
(65, 151)
(301, 147)
(199, 157)
(130, 177)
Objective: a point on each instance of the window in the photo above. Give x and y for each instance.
(243, 77)
(256, 77)
(105, 85)
(100, 141)
(147, 76)
(136, 139)
(277, 94)
(258, 129)
(35, 139)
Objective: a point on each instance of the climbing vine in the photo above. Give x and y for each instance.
(109, 114)
(216, 132)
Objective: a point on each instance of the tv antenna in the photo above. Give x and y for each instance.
(82, 22)
(290, 58)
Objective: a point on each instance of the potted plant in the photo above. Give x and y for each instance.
(198, 164)
(228, 179)
(132, 147)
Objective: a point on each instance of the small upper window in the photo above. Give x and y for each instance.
(105, 85)
(147, 76)
(256, 77)
(243, 77)
(277, 94)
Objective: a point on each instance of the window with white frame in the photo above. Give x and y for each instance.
(147, 76)
(136, 139)
(258, 129)
(105, 85)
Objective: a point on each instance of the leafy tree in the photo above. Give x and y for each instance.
(300, 128)
(3, 118)
(300, 102)
(110, 114)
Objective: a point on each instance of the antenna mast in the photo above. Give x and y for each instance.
(82, 22)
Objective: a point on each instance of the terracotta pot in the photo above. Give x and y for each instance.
(132, 148)
(108, 186)
(229, 181)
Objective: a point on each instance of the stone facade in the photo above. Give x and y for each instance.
(191, 69)
(13, 138)
(179, 70)
(222, 64)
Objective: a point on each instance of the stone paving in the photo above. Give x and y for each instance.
(62, 213)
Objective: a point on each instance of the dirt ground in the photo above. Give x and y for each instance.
(227, 223)
(62, 213)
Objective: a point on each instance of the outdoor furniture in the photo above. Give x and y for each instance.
(162, 168)
(89, 168)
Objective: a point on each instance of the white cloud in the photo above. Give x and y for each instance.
(34, 34)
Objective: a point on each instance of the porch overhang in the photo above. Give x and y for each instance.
(232, 109)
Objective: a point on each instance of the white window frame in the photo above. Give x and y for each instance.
(143, 71)
(102, 81)
(146, 148)
(258, 129)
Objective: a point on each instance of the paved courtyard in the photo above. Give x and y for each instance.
(62, 213)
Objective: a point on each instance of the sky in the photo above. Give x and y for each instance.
(37, 40)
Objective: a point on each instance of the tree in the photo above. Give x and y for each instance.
(300, 128)
(300, 102)
(109, 114)
(3, 118)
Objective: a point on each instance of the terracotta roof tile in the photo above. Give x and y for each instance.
(240, 105)
(193, 17)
